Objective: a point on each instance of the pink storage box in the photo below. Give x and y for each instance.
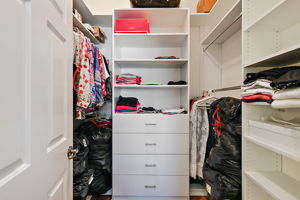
(132, 26)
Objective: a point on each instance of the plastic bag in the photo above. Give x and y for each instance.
(101, 183)
(155, 3)
(222, 170)
(80, 162)
(81, 185)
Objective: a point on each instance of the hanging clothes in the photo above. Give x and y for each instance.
(90, 75)
(199, 136)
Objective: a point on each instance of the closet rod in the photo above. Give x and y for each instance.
(236, 20)
(223, 89)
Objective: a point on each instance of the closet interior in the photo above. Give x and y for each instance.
(191, 65)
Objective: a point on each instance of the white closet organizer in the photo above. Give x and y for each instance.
(271, 152)
(151, 151)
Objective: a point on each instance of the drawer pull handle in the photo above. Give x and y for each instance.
(150, 144)
(150, 186)
(150, 165)
(150, 124)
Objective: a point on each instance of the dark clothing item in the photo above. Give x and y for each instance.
(291, 79)
(127, 101)
(177, 83)
(211, 140)
(270, 74)
(256, 100)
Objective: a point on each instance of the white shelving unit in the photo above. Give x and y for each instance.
(152, 134)
(271, 151)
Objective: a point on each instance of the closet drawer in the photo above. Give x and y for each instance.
(151, 144)
(151, 164)
(151, 123)
(135, 185)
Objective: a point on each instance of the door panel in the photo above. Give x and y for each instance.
(36, 99)
(14, 101)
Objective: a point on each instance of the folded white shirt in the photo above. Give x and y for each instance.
(293, 93)
(256, 91)
(260, 83)
(286, 103)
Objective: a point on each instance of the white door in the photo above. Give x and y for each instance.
(35, 99)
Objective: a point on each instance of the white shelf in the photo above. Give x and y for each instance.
(274, 19)
(85, 31)
(198, 190)
(276, 184)
(151, 40)
(287, 55)
(151, 86)
(274, 147)
(257, 104)
(230, 24)
(149, 34)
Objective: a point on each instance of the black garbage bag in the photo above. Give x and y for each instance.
(101, 183)
(155, 3)
(80, 162)
(222, 187)
(100, 155)
(222, 169)
(81, 185)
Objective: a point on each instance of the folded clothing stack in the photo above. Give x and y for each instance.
(148, 110)
(128, 79)
(288, 90)
(174, 111)
(177, 83)
(127, 105)
(257, 86)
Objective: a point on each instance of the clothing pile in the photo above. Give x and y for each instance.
(127, 105)
(91, 75)
(257, 86)
(148, 110)
(174, 111)
(92, 165)
(287, 87)
(177, 83)
(128, 79)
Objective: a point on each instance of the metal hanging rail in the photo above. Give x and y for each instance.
(206, 92)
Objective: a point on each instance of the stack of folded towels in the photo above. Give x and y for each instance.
(287, 87)
(127, 105)
(128, 79)
(257, 86)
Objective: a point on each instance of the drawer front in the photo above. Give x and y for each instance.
(153, 123)
(135, 185)
(151, 144)
(151, 164)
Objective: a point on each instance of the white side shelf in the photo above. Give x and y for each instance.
(275, 19)
(277, 138)
(151, 86)
(198, 190)
(229, 25)
(278, 185)
(85, 31)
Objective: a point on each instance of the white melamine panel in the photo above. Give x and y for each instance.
(255, 9)
(172, 20)
(280, 139)
(151, 123)
(159, 98)
(278, 185)
(151, 144)
(151, 165)
(151, 62)
(126, 185)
